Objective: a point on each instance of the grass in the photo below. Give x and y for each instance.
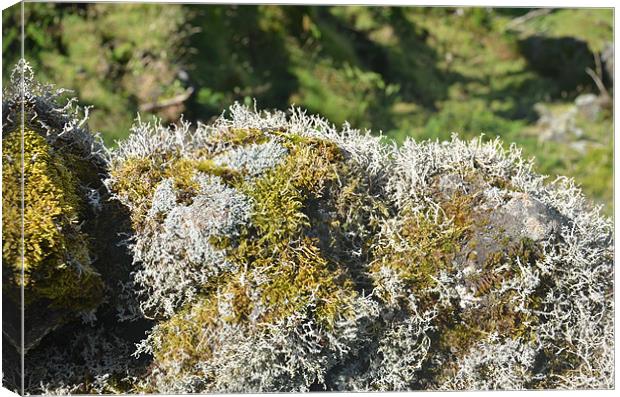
(406, 71)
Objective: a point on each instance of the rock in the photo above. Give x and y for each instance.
(522, 218)
(40, 321)
(526, 217)
(607, 57)
(557, 126)
(588, 106)
(581, 147)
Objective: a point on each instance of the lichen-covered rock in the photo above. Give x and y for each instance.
(242, 243)
(62, 264)
(50, 181)
(273, 252)
(279, 254)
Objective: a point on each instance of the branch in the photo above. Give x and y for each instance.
(599, 84)
(530, 15)
(177, 100)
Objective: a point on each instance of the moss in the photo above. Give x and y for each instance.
(277, 235)
(182, 333)
(239, 137)
(56, 254)
(430, 251)
(459, 338)
(279, 226)
(274, 247)
(305, 274)
(418, 252)
(210, 167)
(136, 180)
(497, 312)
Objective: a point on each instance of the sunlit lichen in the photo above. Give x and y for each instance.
(399, 262)
(61, 255)
(272, 252)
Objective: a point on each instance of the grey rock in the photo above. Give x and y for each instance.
(523, 216)
(588, 106)
(557, 127)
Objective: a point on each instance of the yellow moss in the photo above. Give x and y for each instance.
(56, 256)
(136, 180)
(431, 249)
(304, 273)
(183, 333)
(281, 194)
(239, 137)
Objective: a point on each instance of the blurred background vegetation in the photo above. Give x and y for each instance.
(540, 78)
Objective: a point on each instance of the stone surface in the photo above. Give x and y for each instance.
(588, 106)
(526, 217)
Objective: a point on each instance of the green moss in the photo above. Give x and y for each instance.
(56, 256)
(430, 251)
(279, 226)
(297, 276)
(304, 274)
(210, 167)
(459, 338)
(239, 137)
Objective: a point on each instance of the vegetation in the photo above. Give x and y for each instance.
(406, 71)
(266, 251)
(353, 265)
(275, 253)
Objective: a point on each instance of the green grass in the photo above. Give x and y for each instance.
(408, 72)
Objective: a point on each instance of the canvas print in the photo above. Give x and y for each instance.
(273, 198)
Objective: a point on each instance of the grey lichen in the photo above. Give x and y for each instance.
(448, 258)
(174, 250)
(275, 252)
(68, 249)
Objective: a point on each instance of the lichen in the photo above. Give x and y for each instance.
(62, 257)
(273, 252)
